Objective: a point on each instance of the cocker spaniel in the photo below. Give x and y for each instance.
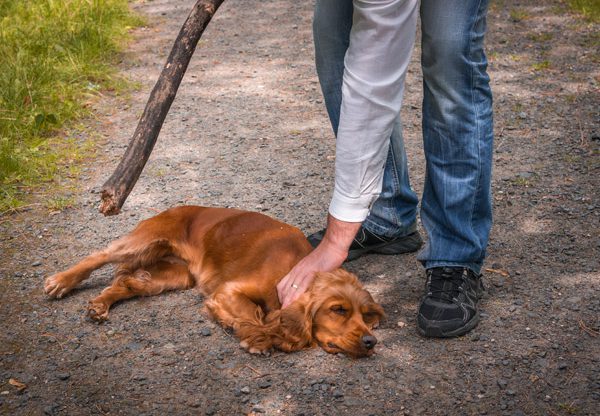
(235, 258)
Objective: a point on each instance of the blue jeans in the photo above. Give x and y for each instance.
(456, 209)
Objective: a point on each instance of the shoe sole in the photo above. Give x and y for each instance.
(437, 332)
(408, 245)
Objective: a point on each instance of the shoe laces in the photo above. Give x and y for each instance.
(445, 283)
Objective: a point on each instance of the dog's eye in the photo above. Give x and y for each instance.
(339, 309)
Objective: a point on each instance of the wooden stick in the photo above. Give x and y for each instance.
(119, 185)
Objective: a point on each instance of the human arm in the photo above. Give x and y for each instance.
(376, 61)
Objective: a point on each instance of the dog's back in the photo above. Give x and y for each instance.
(191, 246)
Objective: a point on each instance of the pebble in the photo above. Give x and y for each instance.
(63, 376)
(135, 346)
(206, 332)
(50, 409)
(562, 366)
(245, 390)
(502, 383)
(264, 384)
(36, 263)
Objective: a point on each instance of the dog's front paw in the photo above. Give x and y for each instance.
(97, 311)
(58, 285)
(252, 349)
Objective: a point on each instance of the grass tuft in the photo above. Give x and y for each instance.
(56, 55)
(589, 8)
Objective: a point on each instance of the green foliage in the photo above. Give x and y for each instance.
(540, 66)
(518, 15)
(56, 54)
(589, 8)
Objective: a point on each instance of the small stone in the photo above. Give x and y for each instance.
(63, 376)
(522, 115)
(258, 409)
(264, 384)
(401, 324)
(510, 392)
(562, 366)
(245, 390)
(206, 332)
(36, 263)
(135, 346)
(50, 409)
(110, 332)
(337, 393)
(502, 383)
(524, 175)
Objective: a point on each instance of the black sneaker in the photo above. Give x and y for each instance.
(366, 242)
(449, 308)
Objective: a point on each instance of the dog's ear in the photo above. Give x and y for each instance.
(295, 326)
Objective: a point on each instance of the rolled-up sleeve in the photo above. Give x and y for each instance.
(381, 42)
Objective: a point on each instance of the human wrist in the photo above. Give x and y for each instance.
(340, 234)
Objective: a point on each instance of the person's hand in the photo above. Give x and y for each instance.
(328, 256)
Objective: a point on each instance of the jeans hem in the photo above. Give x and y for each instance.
(474, 267)
(398, 231)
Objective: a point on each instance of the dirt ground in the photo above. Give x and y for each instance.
(248, 129)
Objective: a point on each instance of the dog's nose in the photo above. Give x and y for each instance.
(369, 341)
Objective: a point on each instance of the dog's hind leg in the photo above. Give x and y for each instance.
(130, 249)
(149, 281)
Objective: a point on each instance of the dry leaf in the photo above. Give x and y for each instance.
(499, 271)
(16, 383)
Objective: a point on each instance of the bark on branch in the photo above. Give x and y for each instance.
(119, 185)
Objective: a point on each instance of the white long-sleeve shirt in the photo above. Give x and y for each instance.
(381, 42)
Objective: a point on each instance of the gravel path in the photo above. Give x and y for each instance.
(248, 129)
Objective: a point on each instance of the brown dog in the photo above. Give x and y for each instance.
(236, 259)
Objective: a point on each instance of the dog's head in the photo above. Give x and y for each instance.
(336, 313)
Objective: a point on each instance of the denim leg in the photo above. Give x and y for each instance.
(394, 212)
(456, 208)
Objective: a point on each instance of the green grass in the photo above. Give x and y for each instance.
(56, 56)
(540, 66)
(518, 15)
(589, 8)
